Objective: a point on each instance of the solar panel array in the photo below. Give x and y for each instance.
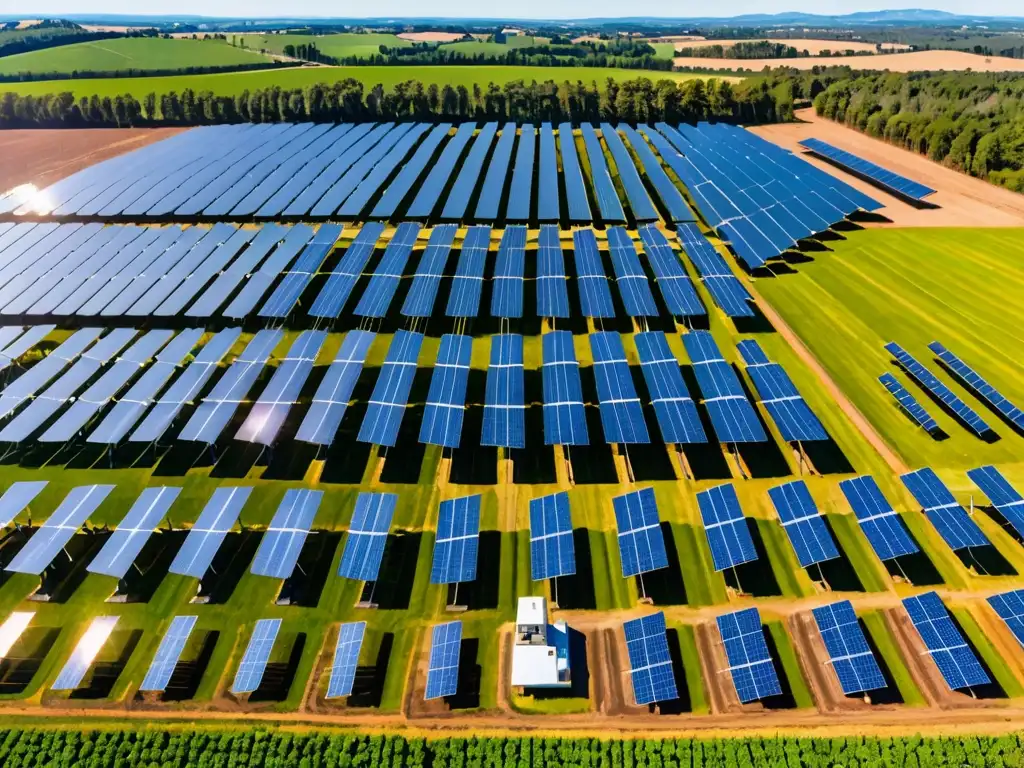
(209, 531)
(257, 654)
(726, 527)
(674, 409)
(443, 669)
(882, 176)
(457, 542)
(803, 523)
(168, 653)
(849, 653)
(622, 415)
(1003, 496)
(641, 541)
(346, 659)
(1010, 608)
(974, 380)
(565, 421)
(780, 397)
(331, 399)
(956, 661)
(650, 664)
(85, 652)
(909, 404)
(552, 294)
(126, 542)
(367, 535)
(12, 629)
(670, 276)
(732, 416)
(552, 553)
(391, 392)
(282, 543)
(877, 519)
(16, 497)
(504, 398)
(750, 664)
(947, 515)
(446, 399)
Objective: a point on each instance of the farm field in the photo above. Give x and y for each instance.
(914, 61)
(129, 53)
(340, 44)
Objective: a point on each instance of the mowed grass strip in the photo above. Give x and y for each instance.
(687, 637)
(802, 697)
(885, 643)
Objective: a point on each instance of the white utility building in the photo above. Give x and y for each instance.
(540, 656)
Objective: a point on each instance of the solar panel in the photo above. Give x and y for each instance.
(928, 380)
(973, 380)
(367, 535)
(600, 177)
(877, 519)
(294, 281)
(126, 542)
(861, 167)
(640, 204)
(670, 197)
(750, 663)
(40, 374)
(331, 400)
(497, 170)
(1001, 494)
(281, 544)
(430, 188)
(908, 403)
(575, 189)
(676, 413)
(1010, 608)
(208, 532)
(259, 282)
(520, 193)
(443, 672)
(947, 515)
(675, 285)
(630, 276)
(803, 523)
(191, 283)
(552, 293)
(18, 496)
(343, 278)
(726, 527)
(257, 654)
(956, 661)
(507, 283)
(14, 350)
(12, 629)
(732, 416)
(419, 302)
(622, 415)
(504, 398)
(650, 665)
(168, 653)
(548, 208)
(346, 659)
(565, 421)
(467, 284)
(848, 650)
(456, 544)
(85, 652)
(446, 399)
(47, 542)
(780, 397)
(391, 392)
(725, 288)
(641, 542)
(382, 286)
(367, 188)
(457, 204)
(595, 296)
(552, 553)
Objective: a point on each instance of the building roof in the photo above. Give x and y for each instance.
(532, 610)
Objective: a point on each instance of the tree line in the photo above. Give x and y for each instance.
(159, 748)
(640, 100)
(758, 49)
(92, 74)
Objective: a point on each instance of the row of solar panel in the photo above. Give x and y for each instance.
(309, 170)
(883, 177)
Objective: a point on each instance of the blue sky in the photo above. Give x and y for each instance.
(520, 8)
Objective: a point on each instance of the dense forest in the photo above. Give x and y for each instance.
(640, 100)
(152, 748)
(972, 122)
(758, 49)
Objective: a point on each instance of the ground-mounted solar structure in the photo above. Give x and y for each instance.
(391, 392)
(17, 497)
(803, 523)
(650, 664)
(956, 661)
(1000, 492)
(126, 542)
(257, 653)
(12, 629)
(84, 654)
(776, 391)
(457, 543)
(849, 654)
(888, 180)
(1009, 606)
(674, 409)
(909, 404)
(979, 385)
(750, 664)
(367, 536)
(732, 416)
(726, 527)
(282, 543)
(443, 669)
(565, 421)
(947, 514)
(622, 415)
(641, 541)
(881, 524)
(207, 534)
(552, 553)
(346, 659)
(168, 653)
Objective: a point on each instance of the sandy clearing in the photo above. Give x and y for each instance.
(916, 61)
(813, 47)
(430, 37)
(963, 200)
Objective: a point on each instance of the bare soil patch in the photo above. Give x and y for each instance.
(915, 61)
(963, 200)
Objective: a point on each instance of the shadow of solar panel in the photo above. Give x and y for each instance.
(456, 544)
(725, 527)
(639, 203)
(257, 654)
(209, 531)
(85, 652)
(18, 496)
(520, 194)
(877, 519)
(504, 420)
(281, 544)
(552, 293)
(650, 665)
(591, 281)
(1009, 606)
(367, 535)
(295, 280)
(497, 171)
(676, 288)
(725, 288)
(419, 302)
(457, 204)
(849, 653)
(446, 399)
(630, 276)
(750, 663)
(443, 669)
(600, 177)
(732, 416)
(507, 283)
(168, 653)
(575, 189)
(956, 661)
(908, 403)
(334, 295)
(552, 553)
(126, 542)
(779, 395)
(676, 413)
(803, 523)
(565, 421)
(670, 197)
(947, 515)
(973, 380)
(1001, 494)
(331, 400)
(467, 284)
(346, 659)
(641, 543)
(622, 415)
(398, 189)
(878, 174)
(391, 392)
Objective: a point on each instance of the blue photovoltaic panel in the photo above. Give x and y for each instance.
(430, 188)
(803, 523)
(732, 416)
(497, 171)
(650, 664)
(88, 647)
(260, 281)
(552, 292)
(595, 296)
(257, 654)
(18, 496)
(622, 415)
(346, 659)
(552, 553)
(207, 534)
(726, 527)
(1010, 607)
(420, 300)
(391, 392)
(332, 396)
(565, 422)
(40, 374)
(876, 517)
(47, 542)
(676, 288)
(885, 178)
(630, 276)
(956, 661)
(126, 542)
(339, 284)
(675, 410)
(750, 663)
(601, 178)
(947, 515)
(640, 204)
(467, 284)
(641, 542)
(367, 535)
(411, 168)
(673, 201)
(443, 672)
(725, 288)
(504, 398)
(168, 653)
(457, 204)
(294, 281)
(398, 190)
(1001, 494)
(446, 400)
(779, 395)
(929, 381)
(507, 282)
(985, 390)
(575, 189)
(848, 650)
(281, 544)
(381, 289)
(457, 543)
(909, 403)
(13, 351)
(548, 208)
(520, 194)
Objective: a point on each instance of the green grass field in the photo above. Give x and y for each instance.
(340, 44)
(122, 54)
